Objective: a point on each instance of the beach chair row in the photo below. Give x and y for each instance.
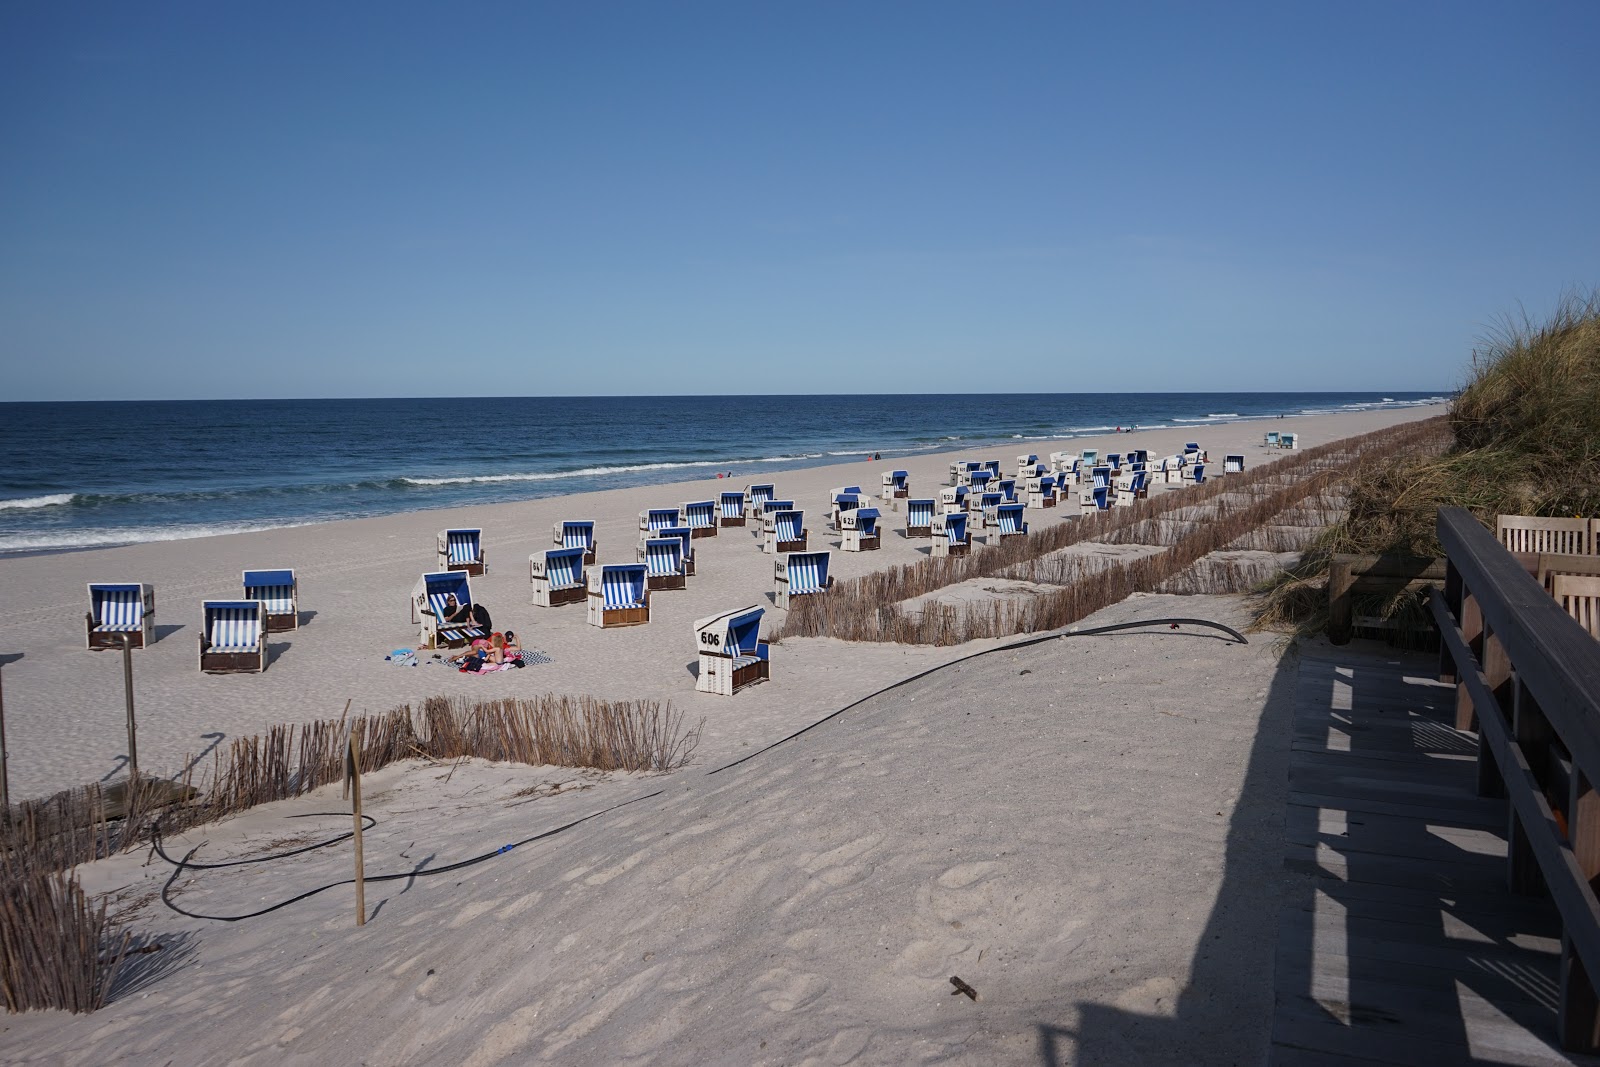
(232, 632)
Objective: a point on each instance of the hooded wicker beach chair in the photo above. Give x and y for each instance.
(117, 609)
(576, 533)
(619, 595)
(1098, 478)
(1089, 457)
(731, 504)
(845, 503)
(1061, 462)
(278, 591)
(1289, 440)
(1270, 440)
(701, 517)
(1529, 533)
(1096, 497)
(429, 610)
(786, 532)
(981, 480)
(1137, 457)
(951, 536)
(1232, 464)
(1009, 518)
(558, 577)
(233, 637)
(1007, 487)
(1579, 596)
(652, 520)
(954, 498)
(981, 507)
(919, 517)
(993, 467)
(1025, 464)
(1042, 491)
(769, 509)
(1132, 487)
(732, 654)
(755, 496)
(462, 550)
(663, 563)
(1114, 461)
(801, 574)
(961, 471)
(859, 530)
(686, 536)
(896, 485)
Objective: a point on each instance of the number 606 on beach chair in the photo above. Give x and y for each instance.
(117, 609)
(732, 654)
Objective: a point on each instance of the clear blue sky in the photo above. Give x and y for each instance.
(381, 199)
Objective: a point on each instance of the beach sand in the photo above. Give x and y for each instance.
(1088, 831)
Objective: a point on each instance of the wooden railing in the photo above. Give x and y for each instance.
(1528, 680)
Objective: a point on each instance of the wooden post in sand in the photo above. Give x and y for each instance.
(5, 790)
(127, 688)
(353, 768)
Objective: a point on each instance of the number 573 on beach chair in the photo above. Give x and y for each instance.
(619, 595)
(558, 577)
(462, 550)
(732, 654)
(801, 574)
(118, 608)
(233, 637)
(278, 592)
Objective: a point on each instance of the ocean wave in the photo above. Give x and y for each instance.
(30, 502)
(1225, 415)
(592, 472)
(1090, 429)
(109, 536)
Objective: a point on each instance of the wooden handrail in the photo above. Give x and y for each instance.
(1530, 675)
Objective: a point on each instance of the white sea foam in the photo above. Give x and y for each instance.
(51, 500)
(106, 536)
(1225, 415)
(589, 472)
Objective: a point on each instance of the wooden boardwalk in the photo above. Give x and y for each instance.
(1399, 941)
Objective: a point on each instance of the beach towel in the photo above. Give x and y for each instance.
(528, 657)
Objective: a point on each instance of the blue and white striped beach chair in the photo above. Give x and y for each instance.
(462, 550)
(731, 503)
(858, 530)
(732, 654)
(755, 496)
(801, 574)
(896, 485)
(979, 480)
(429, 610)
(117, 609)
(663, 563)
(1007, 488)
(558, 576)
(1139, 456)
(1114, 461)
(981, 507)
(846, 502)
(1270, 440)
(1025, 465)
(619, 595)
(576, 533)
(279, 593)
(951, 536)
(1132, 487)
(1232, 464)
(685, 535)
(770, 508)
(1009, 518)
(961, 471)
(954, 498)
(233, 637)
(1099, 479)
(701, 517)
(1042, 491)
(786, 532)
(919, 517)
(652, 520)
(993, 467)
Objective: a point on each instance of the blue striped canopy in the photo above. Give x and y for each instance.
(118, 607)
(808, 572)
(577, 534)
(700, 513)
(867, 521)
(1010, 518)
(759, 494)
(955, 528)
(233, 625)
(623, 585)
(462, 546)
(682, 533)
(663, 556)
(563, 567)
(788, 525)
(732, 504)
(769, 506)
(919, 512)
(657, 518)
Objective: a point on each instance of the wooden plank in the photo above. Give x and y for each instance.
(1391, 835)
(1421, 768)
(1456, 948)
(1466, 901)
(1481, 812)
(1358, 901)
(1419, 756)
(1399, 1048)
(1438, 876)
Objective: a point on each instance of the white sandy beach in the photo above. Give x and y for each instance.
(1088, 832)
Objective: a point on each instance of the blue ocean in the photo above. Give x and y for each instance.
(84, 475)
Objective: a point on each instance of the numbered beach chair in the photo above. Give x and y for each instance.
(961, 471)
(663, 563)
(981, 507)
(701, 517)
(1289, 440)
(896, 485)
(786, 533)
(576, 533)
(462, 550)
(1138, 457)
(686, 537)
(233, 637)
(118, 608)
(768, 510)
(1114, 461)
(1042, 491)
(278, 592)
(1132, 487)
(1098, 487)
(1270, 440)
(1232, 464)
(1063, 462)
(954, 499)
(731, 505)
(429, 598)
(755, 496)
(1007, 488)
(845, 503)
(619, 595)
(1089, 457)
(732, 654)
(1009, 518)
(919, 517)
(1025, 465)
(801, 574)
(979, 480)
(653, 520)
(558, 577)
(860, 530)
(1529, 533)
(993, 467)
(951, 536)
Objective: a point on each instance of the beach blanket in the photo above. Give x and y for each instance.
(529, 657)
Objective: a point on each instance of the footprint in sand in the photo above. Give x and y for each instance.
(784, 990)
(963, 875)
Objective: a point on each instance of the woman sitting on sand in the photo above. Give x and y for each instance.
(504, 649)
